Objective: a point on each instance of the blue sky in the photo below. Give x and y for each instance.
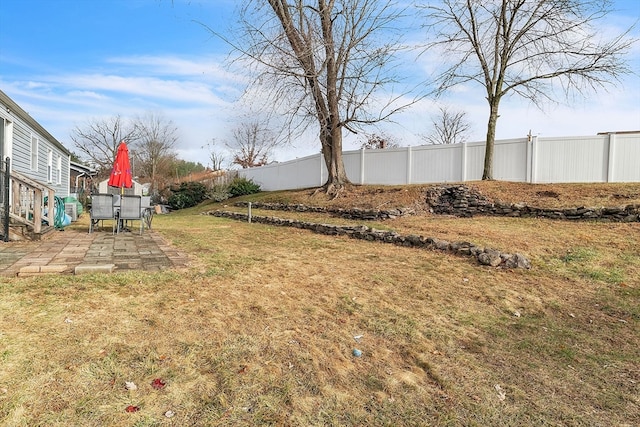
(69, 61)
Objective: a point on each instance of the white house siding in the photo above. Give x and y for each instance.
(18, 147)
(599, 158)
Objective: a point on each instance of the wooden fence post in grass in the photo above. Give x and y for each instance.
(249, 214)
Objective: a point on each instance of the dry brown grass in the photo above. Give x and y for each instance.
(260, 331)
(538, 195)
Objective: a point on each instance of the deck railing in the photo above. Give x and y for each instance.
(4, 198)
(27, 201)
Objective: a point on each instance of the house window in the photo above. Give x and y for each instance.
(50, 167)
(59, 171)
(34, 153)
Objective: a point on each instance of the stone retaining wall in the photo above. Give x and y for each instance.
(356, 213)
(484, 256)
(462, 201)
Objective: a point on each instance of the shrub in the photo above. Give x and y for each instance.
(188, 194)
(218, 192)
(242, 187)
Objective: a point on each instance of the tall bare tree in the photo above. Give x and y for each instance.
(448, 126)
(157, 139)
(324, 60)
(530, 48)
(251, 144)
(97, 140)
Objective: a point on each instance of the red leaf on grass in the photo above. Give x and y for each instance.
(158, 384)
(132, 408)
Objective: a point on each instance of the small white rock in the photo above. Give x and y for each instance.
(130, 385)
(169, 414)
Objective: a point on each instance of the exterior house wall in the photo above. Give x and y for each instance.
(19, 129)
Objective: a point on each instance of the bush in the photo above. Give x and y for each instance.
(188, 194)
(218, 192)
(243, 187)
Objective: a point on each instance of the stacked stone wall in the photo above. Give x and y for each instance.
(463, 201)
(355, 213)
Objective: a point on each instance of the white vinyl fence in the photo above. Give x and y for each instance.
(599, 158)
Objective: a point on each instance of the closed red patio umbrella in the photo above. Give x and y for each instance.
(121, 173)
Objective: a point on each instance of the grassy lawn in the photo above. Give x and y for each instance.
(261, 329)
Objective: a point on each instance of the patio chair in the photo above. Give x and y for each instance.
(101, 210)
(131, 209)
(147, 211)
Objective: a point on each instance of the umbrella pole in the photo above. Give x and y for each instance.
(120, 224)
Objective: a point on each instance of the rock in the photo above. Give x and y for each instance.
(491, 258)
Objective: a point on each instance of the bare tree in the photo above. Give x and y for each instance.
(448, 127)
(251, 145)
(216, 157)
(526, 47)
(98, 139)
(323, 61)
(157, 138)
(381, 141)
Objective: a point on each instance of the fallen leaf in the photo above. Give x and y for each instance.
(243, 369)
(158, 384)
(501, 394)
(132, 408)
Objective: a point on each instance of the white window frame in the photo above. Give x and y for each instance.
(50, 167)
(34, 152)
(59, 171)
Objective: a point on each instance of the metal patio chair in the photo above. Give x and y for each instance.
(131, 210)
(101, 210)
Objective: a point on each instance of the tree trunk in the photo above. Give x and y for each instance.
(487, 173)
(332, 153)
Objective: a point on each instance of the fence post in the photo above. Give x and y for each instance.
(463, 171)
(362, 166)
(249, 212)
(533, 150)
(409, 164)
(611, 157)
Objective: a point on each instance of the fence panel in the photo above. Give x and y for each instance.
(509, 160)
(624, 162)
(300, 173)
(572, 159)
(436, 163)
(474, 161)
(353, 165)
(385, 167)
(598, 158)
